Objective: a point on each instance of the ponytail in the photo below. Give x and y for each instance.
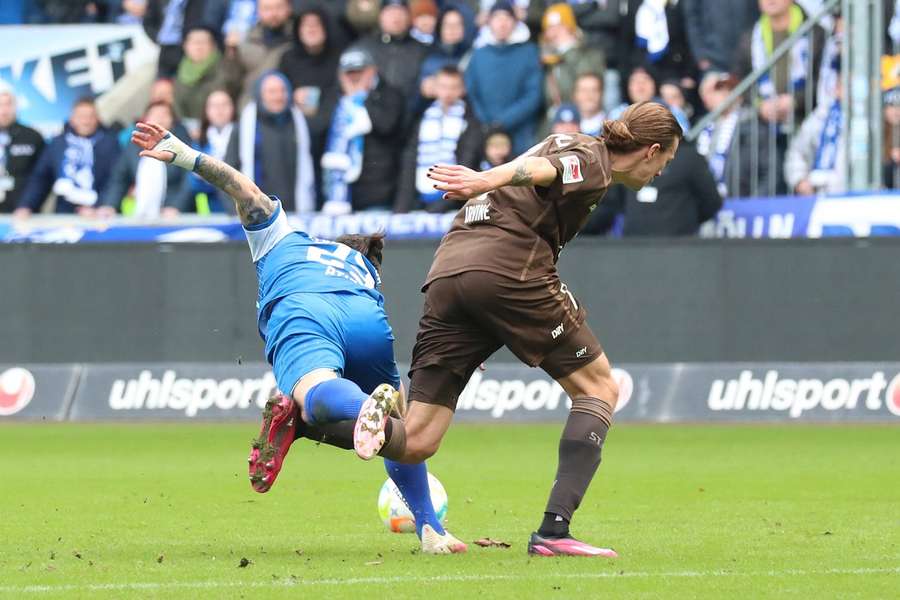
(642, 124)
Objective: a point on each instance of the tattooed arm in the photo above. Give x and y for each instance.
(461, 183)
(253, 206)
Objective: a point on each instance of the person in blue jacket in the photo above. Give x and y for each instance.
(75, 165)
(504, 80)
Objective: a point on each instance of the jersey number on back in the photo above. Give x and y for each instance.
(337, 261)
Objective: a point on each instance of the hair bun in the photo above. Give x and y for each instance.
(617, 129)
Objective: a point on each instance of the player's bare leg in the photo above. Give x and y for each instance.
(594, 394)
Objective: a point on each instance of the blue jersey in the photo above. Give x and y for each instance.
(300, 263)
(290, 262)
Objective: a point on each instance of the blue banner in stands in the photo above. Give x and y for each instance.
(784, 217)
(424, 226)
(793, 216)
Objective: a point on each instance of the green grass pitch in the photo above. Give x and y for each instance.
(166, 511)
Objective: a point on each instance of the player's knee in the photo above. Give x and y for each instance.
(420, 448)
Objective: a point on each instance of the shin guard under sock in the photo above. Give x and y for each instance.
(579, 456)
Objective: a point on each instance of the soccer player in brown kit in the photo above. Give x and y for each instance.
(494, 282)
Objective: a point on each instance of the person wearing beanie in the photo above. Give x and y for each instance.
(504, 80)
(564, 54)
(271, 144)
(518, 9)
(566, 120)
(424, 15)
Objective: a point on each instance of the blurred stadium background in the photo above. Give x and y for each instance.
(755, 282)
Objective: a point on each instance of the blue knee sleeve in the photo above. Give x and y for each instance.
(333, 400)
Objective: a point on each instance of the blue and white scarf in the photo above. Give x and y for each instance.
(761, 48)
(827, 151)
(652, 28)
(343, 158)
(714, 143)
(439, 135)
(75, 180)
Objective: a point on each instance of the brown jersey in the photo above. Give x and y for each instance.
(518, 232)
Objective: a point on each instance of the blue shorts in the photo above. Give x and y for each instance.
(348, 333)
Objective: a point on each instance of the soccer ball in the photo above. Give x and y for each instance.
(394, 512)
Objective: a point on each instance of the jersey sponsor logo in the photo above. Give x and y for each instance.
(797, 396)
(477, 213)
(571, 169)
(192, 396)
(16, 390)
(557, 331)
(581, 352)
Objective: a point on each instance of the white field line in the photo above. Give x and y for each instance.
(296, 582)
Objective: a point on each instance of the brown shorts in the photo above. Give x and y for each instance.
(469, 316)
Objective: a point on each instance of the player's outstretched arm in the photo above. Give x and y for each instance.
(253, 206)
(461, 183)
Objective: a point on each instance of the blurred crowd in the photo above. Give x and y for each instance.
(340, 106)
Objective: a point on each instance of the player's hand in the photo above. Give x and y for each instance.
(458, 182)
(146, 136)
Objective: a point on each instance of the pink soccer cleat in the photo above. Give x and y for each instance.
(541, 546)
(275, 438)
(368, 433)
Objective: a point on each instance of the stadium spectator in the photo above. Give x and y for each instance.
(446, 133)
(587, 96)
(643, 87)
(520, 33)
(75, 165)
(166, 21)
(564, 55)
(163, 90)
(311, 65)
(198, 73)
(424, 16)
(455, 33)
(398, 55)
(271, 145)
(160, 189)
(816, 157)
(673, 95)
(215, 133)
(604, 27)
(20, 148)
(675, 203)
(361, 160)
(712, 26)
(497, 149)
(782, 90)
(504, 80)
(717, 139)
(566, 120)
(262, 49)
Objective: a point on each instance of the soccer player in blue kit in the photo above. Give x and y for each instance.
(326, 335)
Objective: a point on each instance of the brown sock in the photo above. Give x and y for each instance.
(394, 440)
(579, 456)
